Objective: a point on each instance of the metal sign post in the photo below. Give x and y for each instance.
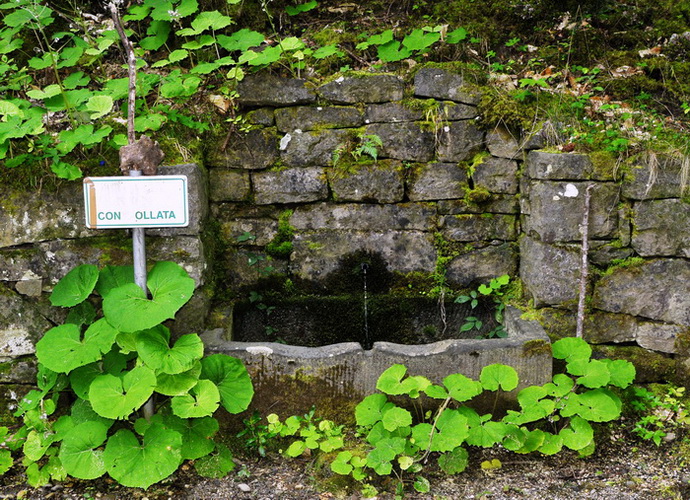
(139, 249)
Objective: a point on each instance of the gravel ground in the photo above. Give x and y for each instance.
(620, 468)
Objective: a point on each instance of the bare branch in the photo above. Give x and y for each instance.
(131, 70)
(584, 267)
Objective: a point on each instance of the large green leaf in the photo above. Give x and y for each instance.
(117, 397)
(177, 385)
(594, 373)
(571, 348)
(62, 349)
(487, 434)
(395, 417)
(533, 406)
(139, 465)
(578, 434)
(112, 277)
(232, 379)
(75, 286)
(370, 409)
(216, 465)
(79, 451)
(597, 405)
(80, 379)
(453, 430)
(197, 435)
(203, 399)
(128, 309)
(622, 372)
(497, 375)
(392, 382)
(462, 388)
(153, 349)
(455, 461)
(419, 40)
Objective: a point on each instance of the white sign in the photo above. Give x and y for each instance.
(151, 201)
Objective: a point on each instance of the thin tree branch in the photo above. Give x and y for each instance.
(131, 71)
(584, 267)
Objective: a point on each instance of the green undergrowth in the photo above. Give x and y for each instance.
(411, 422)
(63, 106)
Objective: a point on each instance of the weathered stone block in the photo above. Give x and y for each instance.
(317, 117)
(484, 227)
(498, 204)
(244, 267)
(18, 371)
(268, 90)
(458, 111)
(60, 256)
(503, 144)
(20, 263)
(21, 325)
(440, 84)
(498, 175)
(317, 254)
(656, 290)
(381, 182)
(187, 251)
(262, 116)
(659, 336)
(481, 266)
(437, 181)
(459, 141)
(28, 218)
(197, 199)
(292, 185)
(30, 287)
(391, 112)
(605, 328)
(550, 272)
(556, 210)
(263, 229)
(603, 253)
(404, 141)
(229, 185)
(365, 217)
(255, 150)
(653, 177)
(558, 166)
(315, 148)
(662, 228)
(364, 88)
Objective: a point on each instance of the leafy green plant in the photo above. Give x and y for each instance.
(363, 144)
(114, 365)
(311, 433)
(658, 413)
(554, 416)
(494, 290)
(256, 435)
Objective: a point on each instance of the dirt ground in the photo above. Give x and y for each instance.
(622, 467)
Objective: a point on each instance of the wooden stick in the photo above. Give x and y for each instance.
(584, 268)
(131, 70)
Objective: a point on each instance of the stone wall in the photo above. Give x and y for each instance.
(489, 202)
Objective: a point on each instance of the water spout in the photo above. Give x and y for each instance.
(367, 342)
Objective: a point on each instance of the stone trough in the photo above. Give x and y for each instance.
(289, 379)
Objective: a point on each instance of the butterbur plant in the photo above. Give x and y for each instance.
(115, 361)
(554, 416)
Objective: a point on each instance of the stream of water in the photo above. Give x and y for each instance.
(367, 342)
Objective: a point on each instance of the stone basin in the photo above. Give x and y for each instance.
(289, 379)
